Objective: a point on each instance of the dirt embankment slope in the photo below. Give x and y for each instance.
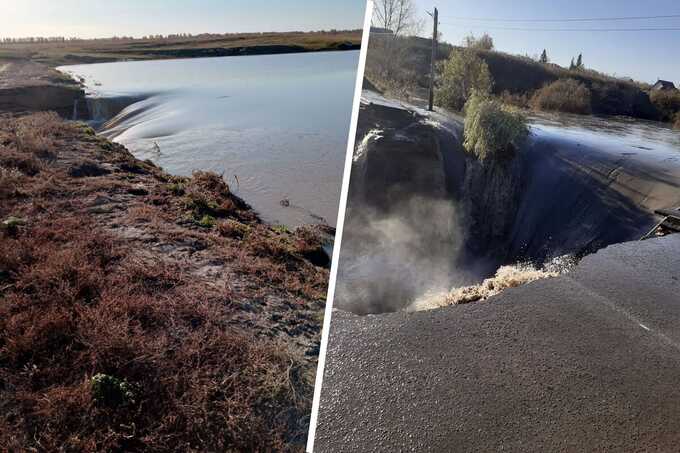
(141, 311)
(27, 86)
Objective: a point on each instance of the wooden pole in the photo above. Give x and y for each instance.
(435, 16)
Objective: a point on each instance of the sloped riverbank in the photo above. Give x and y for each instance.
(168, 291)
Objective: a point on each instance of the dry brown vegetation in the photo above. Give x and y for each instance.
(128, 325)
(516, 100)
(56, 53)
(564, 95)
(392, 67)
(667, 102)
(516, 79)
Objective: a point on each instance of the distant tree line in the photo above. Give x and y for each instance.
(159, 37)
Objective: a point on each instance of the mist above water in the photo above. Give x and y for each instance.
(275, 125)
(388, 258)
(412, 258)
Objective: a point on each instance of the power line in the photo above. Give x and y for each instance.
(569, 29)
(587, 19)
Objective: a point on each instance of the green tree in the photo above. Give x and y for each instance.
(572, 66)
(544, 57)
(460, 75)
(579, 62)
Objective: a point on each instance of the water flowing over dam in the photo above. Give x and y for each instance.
(275, 126)
(425, 217)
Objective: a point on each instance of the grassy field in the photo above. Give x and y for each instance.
(104, 50)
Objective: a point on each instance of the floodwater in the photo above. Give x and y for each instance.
(275, 126)
(579, 184)
(629, 136)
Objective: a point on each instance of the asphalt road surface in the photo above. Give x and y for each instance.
(589, 361)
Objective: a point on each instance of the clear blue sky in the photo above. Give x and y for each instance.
(102, 18)
(643, 56)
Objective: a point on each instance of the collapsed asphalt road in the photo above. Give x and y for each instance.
(588, 361)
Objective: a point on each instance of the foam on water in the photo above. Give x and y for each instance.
(506, 277)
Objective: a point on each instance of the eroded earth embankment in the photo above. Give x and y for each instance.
(26, 86)
(143, 311)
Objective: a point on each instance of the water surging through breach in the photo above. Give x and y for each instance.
(570, 191)
(274, 125)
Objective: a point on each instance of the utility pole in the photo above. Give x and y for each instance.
(435, 16)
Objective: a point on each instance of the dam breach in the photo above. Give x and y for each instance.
(424, 216)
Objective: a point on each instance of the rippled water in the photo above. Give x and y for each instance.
(617, 134)
(275, 126)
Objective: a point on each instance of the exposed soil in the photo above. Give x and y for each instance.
(171, 285)
(27, 86)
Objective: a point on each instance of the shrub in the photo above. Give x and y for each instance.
(86, 169)
(27, 164)
(207, 221)
(202, 204)
(463, 73)
(176, 189)
(565, 95)
(484, 42)
(208, 194)
(12, 224)
(35, 134)
(518, 100)
(667, 103)
(281, 229)
(9, 181)
(492, 130)
(87, 130)
(233, 229)
(111, 391)
(279, 248)
(210, 182)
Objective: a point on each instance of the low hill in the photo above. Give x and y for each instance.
(610, 96)
(402, 66)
